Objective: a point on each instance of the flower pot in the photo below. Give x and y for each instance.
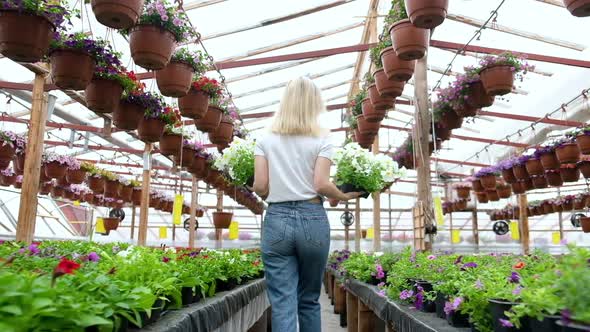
(539, 181)
(24, 37)
(7, 180)
(7, 152)
(370, 113)
(497, 80)
(583, 142)
(223, 134)
(96, 184)
(349, 188)
(557, 208)
(75, 176)
(45, 188)
(585, 223)
(549, 160)
(466, 111)
(111, 224)
(569, 174)
(427, 14)
(364, 139)
(127, 115)
(210, 121)
(478, 97)
(584, 167)
(534, 167)
(488, 181)
(71, 69)
(150, 130)
(460, 205)
(508, 176)
(567, 206)
(493, 195)
(69, 195)
(222, 219)
(463, 192)
(579, 8)
(451, 120)
(476, 185)
(386, 87)
(103, 96)
(88, 197)
(18, 160)
(518, 188)
(117, 14)
(364, 233)
(111, 188)
(126, 193)
(63, 182)
(57, 192)
(186, 295)
(482, 197)
(188, 157)
(194, 105)
(55, 170)
(579, 204)
(547, 208)
(442, 132)
(366, 127)
(136, 197)
(554, 178)
(439, 302)
(380, 103)
(395, 68)
(527, 184)
(568, 153)
(409, 42)
(170, 144)
(151, 46)
(504, 192)
(497, 309)
(175, 79)
(520, 172)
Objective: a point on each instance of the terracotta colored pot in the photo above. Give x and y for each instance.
(380, 103)
(45, 188)
(554, 178)
(583, 142)
(117, 14)
(539, 181)
(578, 8)
(69, 195)
(557, 208)
(42, 176)
(63, 181)
(585, 223)
(568, 153)
(527, 184)
(395, 68)
(96, 184)
(488, 181)
(111, 224)
(224, 133)
(508, 176)
(199, 168)
(127, 115)
(547, 208)
(442, 133)
(194, 105)
(364, 140)
(476, 185)
(569, 174)
(210, 121)
(76, 176)
(493, 195)
(427, 14)
(55, 170)
(504, 192)
(175, 79)
(466, 111)
(71, 70)
(150, 130)
(151, 46)
(584, 167)
(126, 193)
(549, 161)
(518, 188)
(7, 153)
(482, 197)
(461, 205)
(23, 37)
(188, 157)
(136, 197)
(111, 188)
(386, 87)
(478, 97)
(534, 167)
(87, 197)
(463, 192)
(170, 144)
(103, 96)
(57, 192)
(451, 120)
(222, 219)
(567, 206)
(409, 42)
(497, 80)
(7, 180)
(366, 127)
(579, 204)
(370, 113)
(19, 162)
(520, 172)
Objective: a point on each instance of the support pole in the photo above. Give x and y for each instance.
(339, 297)
(352, 317)
(475, 229)
(27, 214)
(132, 222)
(389, 212)
(524, 223)
(193, 218)
(357, 225)
(560, 216)
(219, 231)
(144, 209)
(376, 208)
(346, 230)
(366, 318)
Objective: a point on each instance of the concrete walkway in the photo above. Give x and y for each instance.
(330, 321)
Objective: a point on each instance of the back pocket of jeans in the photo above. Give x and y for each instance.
(274, 228)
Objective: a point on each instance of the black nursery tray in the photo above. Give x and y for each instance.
(348, 188)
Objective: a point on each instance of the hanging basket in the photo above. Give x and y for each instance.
(96, 184)
(370, 113)
(117, 14)
(367, 128)
(103, 96)
(7, 180)
(199, 167)
(504, 191)
(71, 69)
(24, 37)
(378, 102)
(463, 192)
(125, 193)
(482, 197)
(386, 87)
(488, 181)
(409, 42)
(549, 160)
(466, 111)
(568, 153)
(584, 167)
(451, 120)
(497, 80)
(518, 188)
(210, 121)
(194, 105)
(75, 176)
(19, 163)
(222, 219)
(45, 188)
(111, 188)
(569, 174)
(554, 178)
(583, 142)
(188, 157)
(478, 97)
(7, 153)
(508, 175)
(578, 8)
(539, 181)
(170, 144)
(175, 79)
(151, 46)
(364, 140)
(476, 185)
(395, 68)
(534, 167)
(136, 197)
(63, 182)
(493, 195)
(55, 170)
(57, 192)
(111, 224)
(127, 115)
(427, 14)
(520, 172)
(150, 130)
(224, 133)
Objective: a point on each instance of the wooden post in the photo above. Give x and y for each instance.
(357, 225)
(219, 231)
(475, 229)
(346, 230)
(560, 216)
(27, 214)
(339, 299)
(132, 222)
(376, 208)
(389, 213)
(366, 318)
(421, 131)
(451, 227)
(144, 209)
(193, 218)
(352, 317)
(524, 223)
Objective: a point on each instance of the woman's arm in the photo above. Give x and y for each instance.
(323, 185)
(261, 176)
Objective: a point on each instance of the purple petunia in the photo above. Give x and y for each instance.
(419, 301)
(93, 257)
(452, 306)
(459, 260)
(406, 294)
(34, 250)
(470, 265)
(505, 323)
(478, 284)
(514, 278)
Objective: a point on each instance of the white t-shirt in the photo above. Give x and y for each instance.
(291, 163)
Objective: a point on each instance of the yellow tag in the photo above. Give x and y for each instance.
(438, 211)
(234, 230)
(370, 233)
(100, 226)
(177, 210)
(514, 231)
(163, 232)
(76, 203)
(556, 238)
(456, 236)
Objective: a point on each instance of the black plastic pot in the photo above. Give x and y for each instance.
(224, 286)
(349, 188)
(123, 324)
(440, 304)
(572, 327)
(457, 319)
(548, 324)
(198, 296)
(156, 313)
(187, 295)
(497, 309)
(428, 306)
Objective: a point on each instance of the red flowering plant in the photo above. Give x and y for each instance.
(207, 85)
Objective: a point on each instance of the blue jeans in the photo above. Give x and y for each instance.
(295, 246)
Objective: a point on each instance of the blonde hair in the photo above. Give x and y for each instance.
(300, 108)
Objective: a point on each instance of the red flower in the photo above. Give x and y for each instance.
(66, 266)
(256, 263)
(519, 265)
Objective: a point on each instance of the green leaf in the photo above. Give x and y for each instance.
(12, 309)
(92, 320)
(41, 302)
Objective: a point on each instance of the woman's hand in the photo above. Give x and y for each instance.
(351, 195)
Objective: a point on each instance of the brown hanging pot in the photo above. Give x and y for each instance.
(508, 175)
(520, 172)
(549, 160)
(534, 167)
(478, 97)
(497, 80)
(103, 96)
(366, 127)
(150, 130)
(364, 140)
(380, 103)
(71, 69)
(117, 14)
(194, 105)
(427, 14)
(466, 111)
(451, 120)
(125, 193)
(370, 113)
(493, 195)
(517, 188)
(504, 191)
(224, 133)
(170, 144)
(583, 142)
(96, 184)
(222, 219)
(578, 8)
(584, 167)
(211, 120)
(188, 157)
(568, 153)
(151, 46)
(45, 188)
(55, 170)
(386, 87)
(488, 181)
(24, 37)
(175, 79)
(57, 192)
(111, 224)
(111, 188)
(75, 176)
(569, 174)
(539, 181)
(554, 178)
(395, 68)
(7, 180)
(7, 153)
(19, 163)
(482, 197)
(463, 192)
(136, 197)
(127, 115)
(409, 42)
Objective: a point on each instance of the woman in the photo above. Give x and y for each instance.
(292, 171)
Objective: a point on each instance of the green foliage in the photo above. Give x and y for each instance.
(238, 160)
(357, 108)
(396, 13)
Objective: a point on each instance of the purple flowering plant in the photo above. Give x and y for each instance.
(492, 170)
(196, 60)
(11, 138)
(54, 11)
(517, 63)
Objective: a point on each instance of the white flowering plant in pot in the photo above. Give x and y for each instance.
(237, 161)
(359, 170)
